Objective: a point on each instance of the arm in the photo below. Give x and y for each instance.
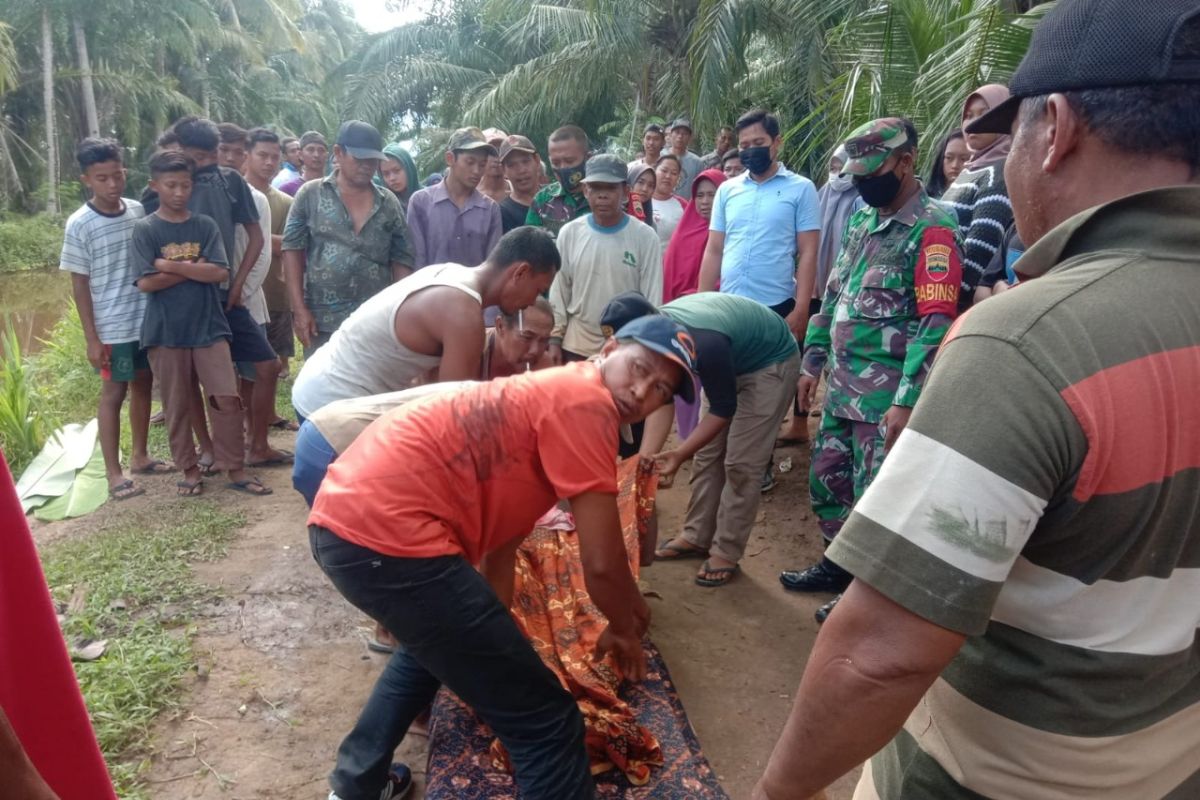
(650, 279)
(400, 271)
(416, 231)
(560, 299)
(157, 281)
(990, 217)
(276, 244)
(294, 246)
(254, 246)
(710, 263)
(462, 339)
(495, 229)
(532, 217)
(401, 253)
(808, 244)
(872, 663)
(81, 290)
(718, 375)
(499, 568)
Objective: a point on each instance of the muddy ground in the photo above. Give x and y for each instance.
(284, 667)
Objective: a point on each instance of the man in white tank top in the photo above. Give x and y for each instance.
(429, 326)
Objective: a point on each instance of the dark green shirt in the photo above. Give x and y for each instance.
(759, 336)
(552, 208)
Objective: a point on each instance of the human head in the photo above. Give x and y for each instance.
(948, 163)
(313, 152)
(1100, 113)
(978, 103)
(199, 138)
(102, 169)
(681, 135)
(758, 140)
(357, 152)
(171, 178)
(646, 363)
(704, 192)
(522, 168)
(523, 335)
(666, 175)
(524, 261)
(290, 146)
(398, 171)
(731, 163)
(467, 155)
(653, 139)
(232, 148)
(725, 140)
(882, 158)
(264, 156)
(568, 150)
(642, 181)
(495, 137)
(605, 187)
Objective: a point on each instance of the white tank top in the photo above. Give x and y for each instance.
(364, 357)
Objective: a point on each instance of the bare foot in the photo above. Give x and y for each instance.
(678, 548)
(270, 457)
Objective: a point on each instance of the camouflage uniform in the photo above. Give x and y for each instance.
(552, 208)
(890, 299)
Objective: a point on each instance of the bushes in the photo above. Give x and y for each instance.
(30, 242)
(22, 428)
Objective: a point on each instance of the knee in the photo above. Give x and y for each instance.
(228, 404)
(267, 370)
(113, 394)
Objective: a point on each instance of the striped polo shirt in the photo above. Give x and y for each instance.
(99, 246)
(1045, 501)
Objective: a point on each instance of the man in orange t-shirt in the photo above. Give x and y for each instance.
(439, 485)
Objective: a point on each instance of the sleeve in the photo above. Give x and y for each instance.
(808, 209)
(245, 210)
(533, 216)
(295, 232)
(495, 229)
(560, 289)
(717, 222)
(650, 278)
(143, 250)
(817, 339)
(212, 248)
(401, 251)
(960, 495)
(416, 230)
(718, 375)
(577, 442)
(990, 217)
(75, 256)
(936, 282)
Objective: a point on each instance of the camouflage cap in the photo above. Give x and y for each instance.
(870, 145)
(470, 139)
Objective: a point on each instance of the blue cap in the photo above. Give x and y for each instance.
(668, 338)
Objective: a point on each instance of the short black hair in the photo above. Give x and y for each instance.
(167, 138)
(937, 184)
(232, 134)
(1159, 119)
(256, 135)
(671, 157)
(527, 243)
(284, 142)
(198, 133)
(758, 116)
(97, 151)
(165, 161)
(731, 153)
(572, 133)
(541, 304)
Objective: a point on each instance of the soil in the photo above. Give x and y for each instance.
(284, 666)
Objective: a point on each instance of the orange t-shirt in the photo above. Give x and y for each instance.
(465, 472)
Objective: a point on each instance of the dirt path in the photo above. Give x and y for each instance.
(285, 669)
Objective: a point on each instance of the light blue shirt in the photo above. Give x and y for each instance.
(760, 223)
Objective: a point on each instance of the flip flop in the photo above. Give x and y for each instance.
(284, 459)
(285, 425)
(244, 487)
(376, 646)
(124, 491)
(678, 553)
(153, 468)
(189, 489)
(726, 575)
(207, 468)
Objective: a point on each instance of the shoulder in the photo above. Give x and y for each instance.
(545, 194)
(935, 215)
(205, 223)
(134, 208)
(234, 178)
(80, 218)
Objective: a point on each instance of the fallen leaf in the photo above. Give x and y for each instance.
(90, 651)
(652, 593)
(78, 600)
(120, 604)
(786, 465)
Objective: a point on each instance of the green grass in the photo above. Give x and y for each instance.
(33, 242)
(143, 560)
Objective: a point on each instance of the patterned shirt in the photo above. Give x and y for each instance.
(552, 208)
(1055, 524)
(99, 246)
(344, 269)
(890, 300)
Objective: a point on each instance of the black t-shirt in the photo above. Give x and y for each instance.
(189, 314)
(718, 375)
(512, 214)
(220, 193)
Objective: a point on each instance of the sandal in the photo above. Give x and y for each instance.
(725, 575)
(189, 488)
(124, 491)
(154, 467)
(247, 487)
(284, 459)
(285, 425)
(674, 552)
(207, 468)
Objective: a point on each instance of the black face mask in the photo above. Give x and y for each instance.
(878, 191)
(756, 159)
(570, 178)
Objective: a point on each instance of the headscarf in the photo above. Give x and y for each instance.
(681, 263)
(838, 202)
(993, 94)
(641, 209)
(397, 153)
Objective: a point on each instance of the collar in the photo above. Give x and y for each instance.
(1162, 221)
(438, 193)
(556, 190)
(596, 226)
(782, 172)
(906, 215)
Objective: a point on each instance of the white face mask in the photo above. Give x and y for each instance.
(840, 183)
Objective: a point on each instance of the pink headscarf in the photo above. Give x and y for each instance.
(681, 263)
(993, 94)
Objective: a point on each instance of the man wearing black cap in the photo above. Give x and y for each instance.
(452, 222)
(332, 268)
(1023, 619)
(522, 170)
(690, 164)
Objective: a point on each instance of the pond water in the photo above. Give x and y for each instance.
(33, 302)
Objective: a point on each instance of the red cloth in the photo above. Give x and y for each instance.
(38, 690)
(681, 262)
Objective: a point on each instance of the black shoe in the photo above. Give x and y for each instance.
(822, 613)
(824, 576)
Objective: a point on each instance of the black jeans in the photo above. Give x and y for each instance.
(455, 632)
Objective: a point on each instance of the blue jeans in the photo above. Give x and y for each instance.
(313, 457)
(455, 632)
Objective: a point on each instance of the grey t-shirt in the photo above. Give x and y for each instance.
(189, 314)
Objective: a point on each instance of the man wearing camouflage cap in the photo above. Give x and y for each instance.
(890, 299)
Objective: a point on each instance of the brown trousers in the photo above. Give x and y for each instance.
(173, 367)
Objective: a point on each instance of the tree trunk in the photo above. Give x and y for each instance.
(85, 80)
(48, 102)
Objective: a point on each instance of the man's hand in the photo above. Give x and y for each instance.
(96, 354)
(668, 464)
(806, 391)
(894, 421)
(235, 294)
(304, 326)
(555, 352)
(798, 322)
(628, 652)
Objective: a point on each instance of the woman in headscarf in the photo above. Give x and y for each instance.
(398, 172)
(979, 197)
(641, 189)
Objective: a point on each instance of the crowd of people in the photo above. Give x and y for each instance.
(1007, 496)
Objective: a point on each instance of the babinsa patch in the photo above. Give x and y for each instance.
(937, 261)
